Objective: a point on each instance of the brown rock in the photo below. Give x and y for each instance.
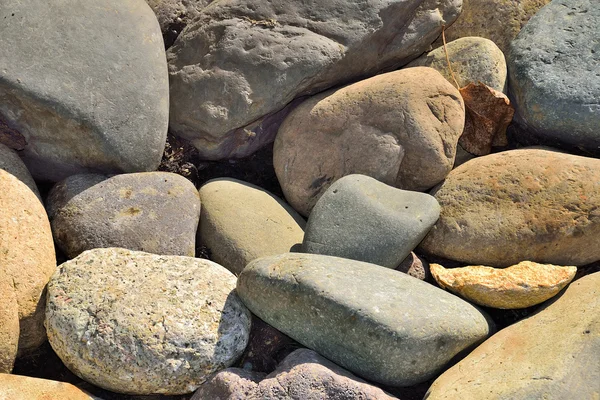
(229, 384)
(415, 267)
(16, 387)
(523, 285)
(9, 324)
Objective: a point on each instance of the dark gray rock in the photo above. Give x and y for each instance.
(363, 219)
(380, 324)
(83, 85)
(555, 76)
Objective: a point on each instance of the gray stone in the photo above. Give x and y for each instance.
(139, 323)
(239, 62)
(83, 85)
(363, 219)
(156, 212)
(174, 15)
(554, 74)
(365, 318)
(12, 163)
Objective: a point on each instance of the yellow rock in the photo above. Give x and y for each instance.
(523, 285)
(16, 387)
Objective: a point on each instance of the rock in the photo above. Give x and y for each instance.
(363, 219)
(241, 222)
(519, 286)
(236, 66)
(400, 128)
(340, 309)
(473, 59)
(16, 387)
(155, 212)
(174, 15)
(556, 83)
(416, 267)
(9, 324)
(229, 384)
(11, 163)
(551, 355)
(528, 204)
(139, 323)
(88, 90)
(26, 256)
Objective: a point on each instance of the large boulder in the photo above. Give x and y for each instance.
(16, 387)
(83, 85)
(400, 128)
(139, 323)
(238, 63)
(528, 204)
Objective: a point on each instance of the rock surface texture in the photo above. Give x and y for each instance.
(174, 15)
(16, 387)
(88, 90)
(259, 57)
(9, 323)
(139, 323)
(400, 128)
(12, 163)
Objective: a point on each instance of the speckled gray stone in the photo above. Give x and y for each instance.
(381, 324)
(139, 323)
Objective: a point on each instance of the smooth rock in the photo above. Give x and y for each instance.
(551, 355)
(363, 219)
(26, 255)
(9, 324)
(554, 74)
(416, 267)
(240, 222)
(88, 90)
(155, 212)
(363, 317)
(12, 163)
(17, 387)
(238, 64)
(473, 60)
(139, 323)
(174, 15)
(519, 286)
(400, 128)
(529, 204)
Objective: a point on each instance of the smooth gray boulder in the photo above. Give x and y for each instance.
(363, 219)
(83, 85)
(12, 163)
(238, 63)
(381, 324)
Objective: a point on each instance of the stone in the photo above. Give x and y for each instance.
(400, 128)
(551, 355)
(17, 387)
(529, 204)
(139, 323)
(341, 309)
(9, 324)
(88, 90)
(473, 60)
(229, 384)
(155, 212)
(27, 256)
(363, 219)
(555, 84)
(240, 222)
(519, 286)
(12, 163)
(416, 267)
(237, 65)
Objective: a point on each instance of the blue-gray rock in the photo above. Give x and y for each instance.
(554, 74)
(83, 85)
(380, 324)
(363, 219)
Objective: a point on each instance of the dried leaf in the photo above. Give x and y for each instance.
(11, 137)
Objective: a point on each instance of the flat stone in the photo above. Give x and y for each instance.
(88, 90)
(139, 323)
(12, 163)
(17, 387)
(363, 219)
(400, 128)
(241, 222)
(9, 324)
(155, 212)
(529, 204)
(519, 286)
(551, 355)
(341, 309)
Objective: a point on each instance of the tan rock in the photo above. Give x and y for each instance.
(11, 163)
(9, 324)
(16, 387)
(523, 285)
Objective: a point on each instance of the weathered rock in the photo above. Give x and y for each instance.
(556, 82)
(341, 309)
(174, 15)
(229, 384)
(26, 255)
(9, 324)
(11, 163)
(241, 222)
(528, 204)
(551, 355)
(473, 59)
(237, 64)
(16, 387)
(363, 219)
(400, 128)
(155, 212)
(140, 323)
(519, 286)
(88, 90)
(416, 267)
